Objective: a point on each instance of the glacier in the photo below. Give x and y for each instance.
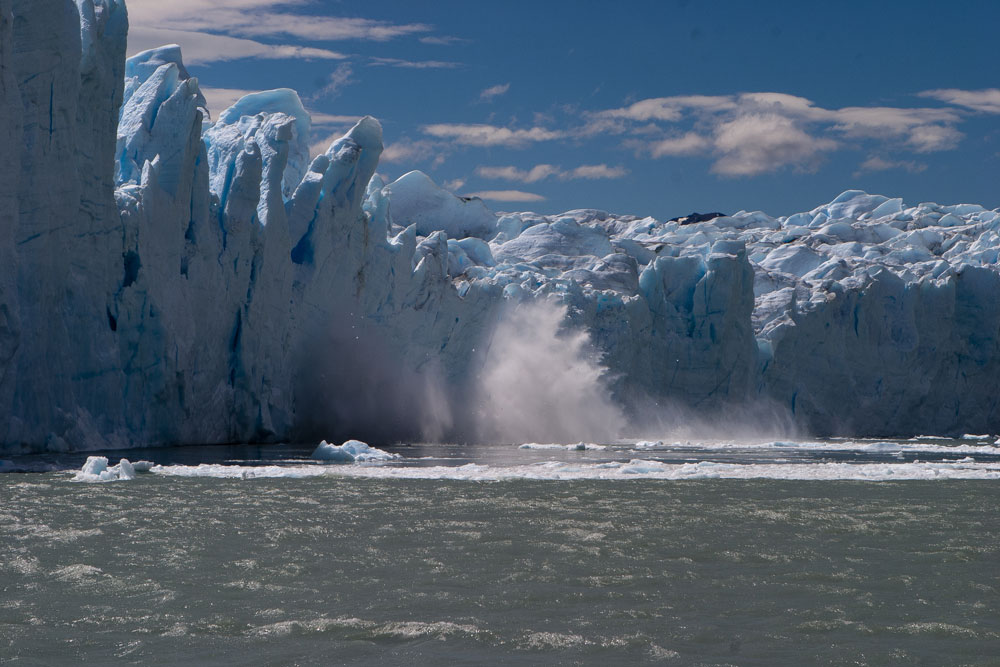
(167, 278)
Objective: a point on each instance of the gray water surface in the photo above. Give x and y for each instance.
(331, 570)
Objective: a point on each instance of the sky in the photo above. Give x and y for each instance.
(655, 108)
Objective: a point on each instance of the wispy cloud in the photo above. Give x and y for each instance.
(493, 92)
(203, 47)
(985, 101)
(221, 30)
(490, 135)
(507, 195)
(412, 64)
(405, 150)
(543, 171)
(337, 81)
(260, 18)
(876, 163)
(442, 40)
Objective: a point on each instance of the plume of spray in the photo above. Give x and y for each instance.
(357, 382)
(759, 420)
(543, 382)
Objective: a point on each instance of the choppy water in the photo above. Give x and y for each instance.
(509, 556)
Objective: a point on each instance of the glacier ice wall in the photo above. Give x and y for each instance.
(168, 279)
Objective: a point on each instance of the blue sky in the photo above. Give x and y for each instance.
(649, 108)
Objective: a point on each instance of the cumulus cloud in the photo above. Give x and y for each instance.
(507, 195)
(492, 92)
(985, 101)
(490, 135)
(932, 138)
(759, 143)
(760, 132)
(690, 143)
(542, 171)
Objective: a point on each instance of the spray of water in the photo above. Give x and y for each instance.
(542, 382)
(533, 379)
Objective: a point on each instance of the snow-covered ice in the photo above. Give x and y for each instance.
(178, 280)
(352, 451)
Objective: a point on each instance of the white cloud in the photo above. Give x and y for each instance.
(592, 172)
(537, 173)
(933, 138)
(202, 47)
(986, 101)
(262, 18)
(490, 135)
(337, 81)
(760, 132)
(670, 109)
(412, 64)
(405, 150)
(442, 40)
(506, 195)
(541, 172)
(493, 92)
(876, 163)
(759, 143)
(691, 143)
(454, 185)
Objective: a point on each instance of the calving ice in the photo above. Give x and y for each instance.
(166, 278)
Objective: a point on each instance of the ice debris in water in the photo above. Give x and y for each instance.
(578, 447)
(96, 469)
(352, 451)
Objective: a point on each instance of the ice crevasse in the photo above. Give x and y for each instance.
(165, 278)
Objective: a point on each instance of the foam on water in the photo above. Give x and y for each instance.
(916, 445)
(634, 469)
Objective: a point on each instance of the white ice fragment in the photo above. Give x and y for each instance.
(648, 444)
(352, 451)
(96, 469)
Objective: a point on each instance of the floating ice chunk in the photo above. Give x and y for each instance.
(352, 451)
(578, 447)
(648, 444)
(96, 469)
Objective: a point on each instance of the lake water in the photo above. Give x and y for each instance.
(677, 554)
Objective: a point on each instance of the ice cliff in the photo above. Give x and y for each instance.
(168, 279)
